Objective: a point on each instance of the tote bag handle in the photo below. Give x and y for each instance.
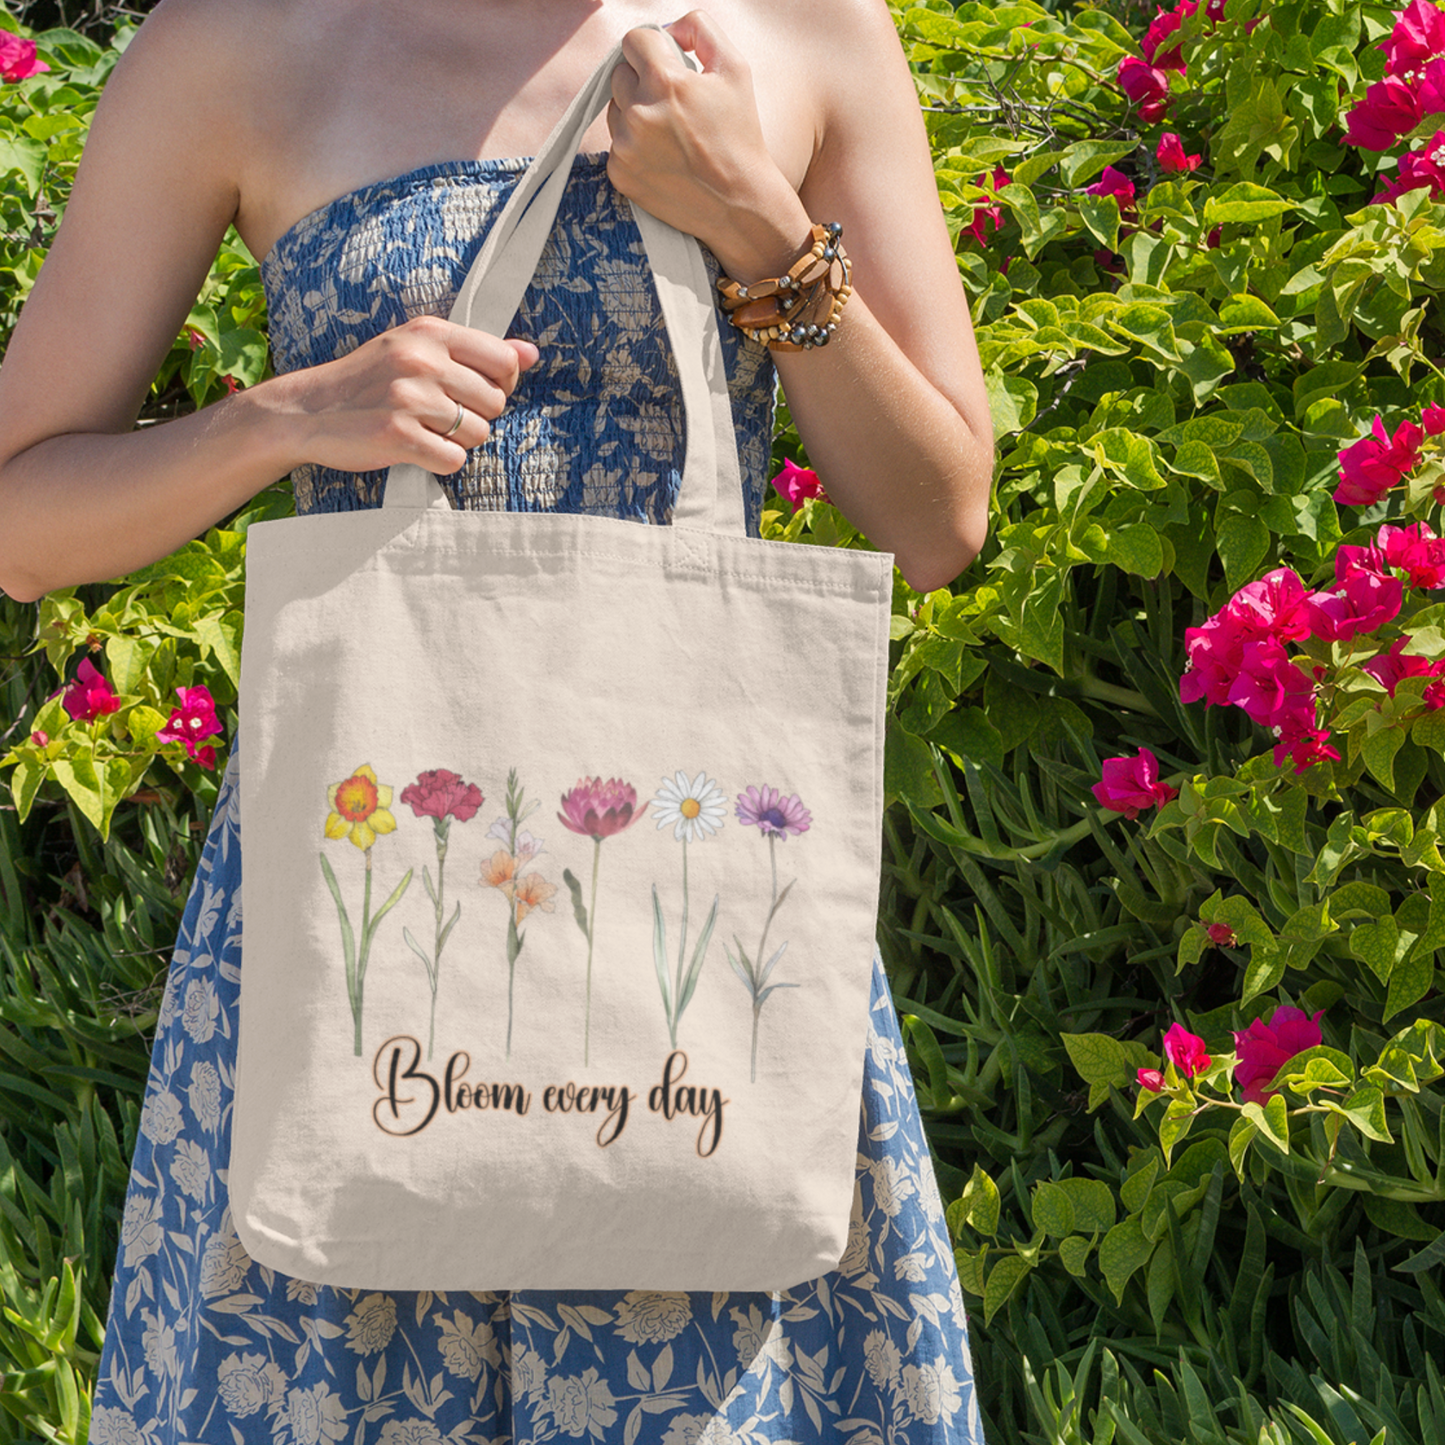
(711, 496)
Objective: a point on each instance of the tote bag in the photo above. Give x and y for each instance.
(560, 866)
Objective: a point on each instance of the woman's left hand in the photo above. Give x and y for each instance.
(688, 146)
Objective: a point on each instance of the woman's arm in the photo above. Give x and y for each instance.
(893, 412)
(83, 496)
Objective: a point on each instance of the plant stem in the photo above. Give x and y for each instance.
(363, 949)
(591, 934)
(757, 1010)
(436, 968)
(768, 922)
(676, 1014)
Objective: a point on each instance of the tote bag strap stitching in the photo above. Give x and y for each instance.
(711, 494)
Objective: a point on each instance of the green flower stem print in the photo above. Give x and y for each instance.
(503, 871)
(597, 810)
(695, 811)
(441, 796)
(360, 811)
(775, 817)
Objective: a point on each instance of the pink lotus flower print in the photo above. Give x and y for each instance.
(1185, 1051)
(600, 810)
(1265, 1048)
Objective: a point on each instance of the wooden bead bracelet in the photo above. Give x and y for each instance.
(800, 309)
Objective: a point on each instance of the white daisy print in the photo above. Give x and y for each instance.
(696, 809)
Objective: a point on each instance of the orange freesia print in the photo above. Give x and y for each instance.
(360, 808)
(500, 871)
(531, 892)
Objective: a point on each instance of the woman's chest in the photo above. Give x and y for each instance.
(362, 91)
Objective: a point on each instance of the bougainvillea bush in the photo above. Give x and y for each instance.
(1166, 890)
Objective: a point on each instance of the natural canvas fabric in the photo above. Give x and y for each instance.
(557, 939)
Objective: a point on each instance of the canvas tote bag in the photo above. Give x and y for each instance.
(561, 865)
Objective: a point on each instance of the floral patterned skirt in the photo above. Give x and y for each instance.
(205, 1346)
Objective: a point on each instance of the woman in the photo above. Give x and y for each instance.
(330, 133)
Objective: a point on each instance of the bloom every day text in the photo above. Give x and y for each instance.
(412, 1097)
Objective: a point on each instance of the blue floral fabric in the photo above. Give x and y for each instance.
(204, 1346)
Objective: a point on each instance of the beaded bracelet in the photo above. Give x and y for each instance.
(801, 309)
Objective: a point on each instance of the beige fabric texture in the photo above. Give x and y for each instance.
(621, 1142)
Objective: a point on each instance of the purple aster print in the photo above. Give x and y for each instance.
(768, 809)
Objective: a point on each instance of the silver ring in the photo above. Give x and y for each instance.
(456, 426)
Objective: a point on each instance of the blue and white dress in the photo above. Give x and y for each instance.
(206, 1347)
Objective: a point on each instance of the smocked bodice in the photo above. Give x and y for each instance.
(597, 424)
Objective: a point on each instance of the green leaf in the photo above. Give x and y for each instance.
(1409, 983)
(1074, 1254)
(1272, 1121)
(1124, 1250)
(1003, 1281)
(1052, 1211)
(1100, 215)
(1245, 202)
(579, 909)
(979, 1203)
(1379, 751)
(1431, 1257)
(1365, 1109)
(1243, 545)
(1241, 1135)
(1246, 313)
(1013, 402)
(1379, 945)
(1099, 1058)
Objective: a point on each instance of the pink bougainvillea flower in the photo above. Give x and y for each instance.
(1171, 157)
(1147, 87)
(1129, 785)
(776, 816)
(1214, 652)
(1274, 606)
(1390, 668)
(40, 738)
(90, 696)
(18, 60)
(1432, 419)
(1365, 600)
(986, 218)
(600, 810)
(1113, 183)
(1265, 1048)
(1185, 1051)
(1374, 464)
(192, 722)
(1304, 749)
(1418, 36)
(797, 484)
(1391, 108)
(1416, 170)
(1152, 1080)
(439, 794)
(1163, 25)
(1221, 935)
(1270, 688)
(1417, 551)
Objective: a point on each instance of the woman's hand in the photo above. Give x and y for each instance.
(394, 399)
(688, 147)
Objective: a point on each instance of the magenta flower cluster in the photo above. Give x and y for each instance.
(1239, 657)
(1378, 462)
(1145, 80)
(1130, 785)
(1412, 90)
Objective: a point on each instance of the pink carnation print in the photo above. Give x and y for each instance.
(1185, 1051)
(90, 696)
(439, 794)
(1130, 785)
(1265, 1048)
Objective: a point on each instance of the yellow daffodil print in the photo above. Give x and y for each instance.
(360, 811)
(360, 808)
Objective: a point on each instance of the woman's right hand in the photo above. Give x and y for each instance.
(395, 397)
